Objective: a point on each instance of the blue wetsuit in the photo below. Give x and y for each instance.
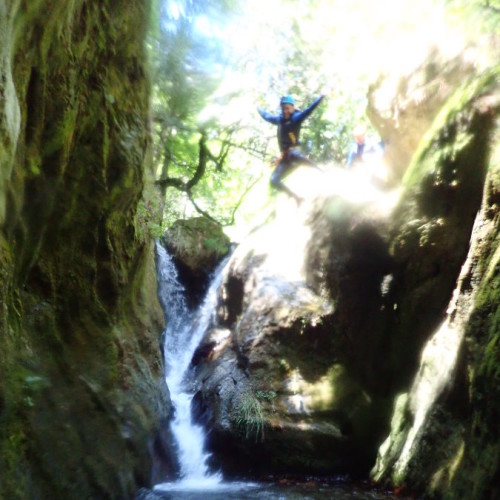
(357, 151)
(288, 139)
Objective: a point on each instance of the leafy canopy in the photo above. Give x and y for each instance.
(214, 62)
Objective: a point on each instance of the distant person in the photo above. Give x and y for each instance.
(363, 150)
(289, 123)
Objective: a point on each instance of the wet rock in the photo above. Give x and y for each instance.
(272, 383)
(443, 439)
(197, 246)
(328, 315)
(82, 395)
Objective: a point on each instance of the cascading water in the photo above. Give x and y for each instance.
(182, 335)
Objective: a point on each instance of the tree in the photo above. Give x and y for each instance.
(214, 62)
(193, 156)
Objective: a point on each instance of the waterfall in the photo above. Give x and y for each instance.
(183, 332)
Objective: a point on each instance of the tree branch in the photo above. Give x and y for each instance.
(199, 209)
(202, 163)
(198, 174)
(240, 200)
(204, 156)
(492, 8)
(257, 153)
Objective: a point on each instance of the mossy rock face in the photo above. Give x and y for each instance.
(82, 395)
(430, 233)
(197, 246)
(450, 415)
(392, 278)
(446, 443)
(473, 469)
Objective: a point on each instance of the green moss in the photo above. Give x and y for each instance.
(430, 232)
(450, 132)
(457, 452)
(13, 444)
(79, 315)
(480, 468)
(60, 138)
(266, 395)
(198, 243)
(147, 223)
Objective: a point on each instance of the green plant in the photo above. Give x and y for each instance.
(249, 417)
(266, 395)
(148, 223)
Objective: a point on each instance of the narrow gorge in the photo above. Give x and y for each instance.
(347, 346)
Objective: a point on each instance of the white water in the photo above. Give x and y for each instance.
(182, 335)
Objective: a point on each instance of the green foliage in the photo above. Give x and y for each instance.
(266, 395)
(248, 416)
(206, 83)
(191, 98)
(187, 69)
(148, 222)
(475, 15)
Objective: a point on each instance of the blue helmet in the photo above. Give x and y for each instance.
(288, 99)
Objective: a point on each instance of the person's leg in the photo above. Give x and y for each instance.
(284, 167)
(297, 157)
(280, 171)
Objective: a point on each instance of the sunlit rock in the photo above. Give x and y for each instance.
(10, 115)
(403, 106)
(276, 386)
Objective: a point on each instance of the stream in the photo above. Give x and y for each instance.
(182, 335)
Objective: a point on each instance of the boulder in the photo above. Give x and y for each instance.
(274, 391)
(279, 377)
(197, 245)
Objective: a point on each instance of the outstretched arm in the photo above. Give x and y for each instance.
(351, 155)
(302, 115)
(269, 117)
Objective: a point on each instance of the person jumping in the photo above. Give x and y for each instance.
(289, 123)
